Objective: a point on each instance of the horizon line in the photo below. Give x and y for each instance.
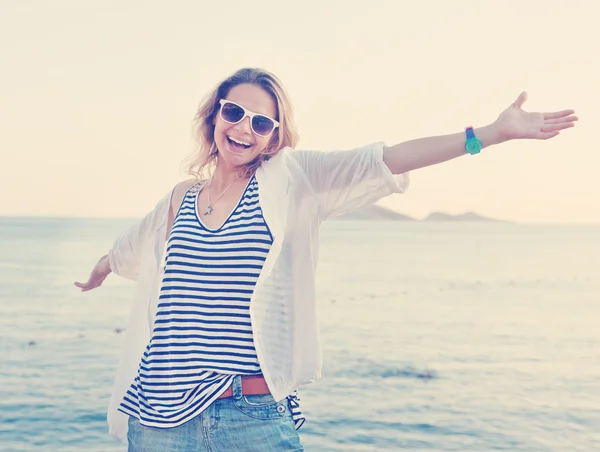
(418, 220)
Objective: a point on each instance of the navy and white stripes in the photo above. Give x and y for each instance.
(202, 334)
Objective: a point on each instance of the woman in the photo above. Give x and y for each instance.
(223, 327)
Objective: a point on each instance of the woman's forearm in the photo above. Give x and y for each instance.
(422, 152)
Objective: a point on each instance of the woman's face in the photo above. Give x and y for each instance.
(237, 143)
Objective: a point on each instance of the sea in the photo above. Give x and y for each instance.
(437, 336)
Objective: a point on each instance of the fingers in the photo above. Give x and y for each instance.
(548, 135)
(559, 120)
(82, 286)
(520, 100)
(86, 286)
(558, 114)
(555, 127)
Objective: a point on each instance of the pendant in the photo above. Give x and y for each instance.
(208, 210)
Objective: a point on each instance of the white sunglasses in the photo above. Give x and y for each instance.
(233, 113)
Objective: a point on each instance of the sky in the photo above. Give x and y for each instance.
(97, 97)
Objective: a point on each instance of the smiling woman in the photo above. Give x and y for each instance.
(223, 326)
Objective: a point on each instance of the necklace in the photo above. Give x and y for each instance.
(209, 208)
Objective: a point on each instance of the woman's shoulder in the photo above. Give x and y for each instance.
(185, 185)
(179, 191)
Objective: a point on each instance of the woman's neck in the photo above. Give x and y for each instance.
(224, 176)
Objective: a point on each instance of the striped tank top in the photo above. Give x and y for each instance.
(202, 335)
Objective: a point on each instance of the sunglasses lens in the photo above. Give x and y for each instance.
(232, 113)
(262, 125)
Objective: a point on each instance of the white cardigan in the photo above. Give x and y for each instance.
(298, 190)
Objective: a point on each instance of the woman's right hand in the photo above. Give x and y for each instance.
(99, 273)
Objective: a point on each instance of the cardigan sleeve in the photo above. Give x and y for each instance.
(126, 252)
(346, 181)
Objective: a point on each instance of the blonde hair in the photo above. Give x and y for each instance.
(204, 159)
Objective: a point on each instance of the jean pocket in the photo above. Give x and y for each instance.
(262, 407)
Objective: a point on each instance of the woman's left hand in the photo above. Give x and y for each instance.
(514, 123)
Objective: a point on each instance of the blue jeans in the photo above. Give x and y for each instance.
(240, 423)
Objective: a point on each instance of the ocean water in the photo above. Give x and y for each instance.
(436, 337)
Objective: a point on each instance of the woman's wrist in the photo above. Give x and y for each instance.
(104, 265)
(490, 135)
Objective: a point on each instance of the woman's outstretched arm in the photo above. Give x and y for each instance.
(126, 252)
(513, 123)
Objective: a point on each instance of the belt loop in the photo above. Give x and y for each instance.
(236, 387)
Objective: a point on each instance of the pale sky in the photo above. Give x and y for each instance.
(97, 97)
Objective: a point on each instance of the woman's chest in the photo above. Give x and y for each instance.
(215, 207)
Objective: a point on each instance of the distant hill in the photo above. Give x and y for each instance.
(378, 213)
(375, 213)
(468, 216)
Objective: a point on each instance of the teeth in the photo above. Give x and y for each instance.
(239, 142)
